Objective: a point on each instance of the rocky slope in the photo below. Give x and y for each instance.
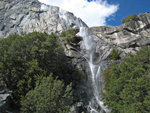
(23, 16)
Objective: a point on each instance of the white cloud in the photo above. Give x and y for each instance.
(93, 13)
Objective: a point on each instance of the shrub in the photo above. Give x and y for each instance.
(68, 35)
(128, 18)
(49, 96)
(114, 55)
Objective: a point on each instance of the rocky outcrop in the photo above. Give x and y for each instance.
(126, 38)
(24, 16)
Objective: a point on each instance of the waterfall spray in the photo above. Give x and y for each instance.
(95, 77)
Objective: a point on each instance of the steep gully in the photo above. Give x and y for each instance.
(95, 76)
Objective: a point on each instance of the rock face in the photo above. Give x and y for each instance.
(24, 16)
(126, 38)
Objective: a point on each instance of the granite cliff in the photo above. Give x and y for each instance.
(24, 16)
(126, 38)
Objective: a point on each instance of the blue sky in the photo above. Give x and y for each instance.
(127, 7)
(101, 12)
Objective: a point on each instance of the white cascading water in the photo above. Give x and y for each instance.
(90, 47)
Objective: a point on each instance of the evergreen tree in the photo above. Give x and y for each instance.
(49, 96)
(25, 59)
(127, 84)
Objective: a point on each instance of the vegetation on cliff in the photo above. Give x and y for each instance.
(24, 60)
(114, 55)
(128, 18)
(68, 35)
(127, 84)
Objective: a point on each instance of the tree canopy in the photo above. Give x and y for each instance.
(26, 59)
(127, 84)
(49, 96)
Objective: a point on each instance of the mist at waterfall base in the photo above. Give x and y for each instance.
(90, 46)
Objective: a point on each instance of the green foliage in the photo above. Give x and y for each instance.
(127, 84)
(114, 55)
(68, 35)
(23, 60)
(49, 96)
(128, 18)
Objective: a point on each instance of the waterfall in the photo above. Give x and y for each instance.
(95, 77)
